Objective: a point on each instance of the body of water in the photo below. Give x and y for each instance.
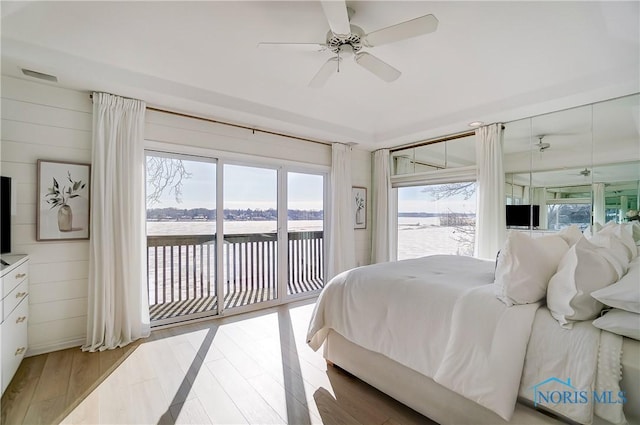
(417, 236)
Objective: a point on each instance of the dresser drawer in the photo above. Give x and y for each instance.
(14, 278)
(14, 341)
(14, 298)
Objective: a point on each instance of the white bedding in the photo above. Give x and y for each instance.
(407, 311)
(573, 354)
(439, 316)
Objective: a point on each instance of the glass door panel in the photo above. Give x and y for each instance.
(250, 235)
(305, 226)
(181, 235)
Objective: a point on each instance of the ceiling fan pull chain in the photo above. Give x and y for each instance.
(338, 60)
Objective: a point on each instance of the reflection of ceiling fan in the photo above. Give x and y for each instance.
(344, 39)
(542, 146)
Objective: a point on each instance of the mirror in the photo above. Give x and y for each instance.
(578, 166)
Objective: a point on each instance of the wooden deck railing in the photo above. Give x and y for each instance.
(183, 267)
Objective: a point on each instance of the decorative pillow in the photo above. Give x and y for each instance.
(616, 251)
(582, 270)
(570, 234)
(525, 265)
(624, 294)
(632, 228)
(620, 231)
(620, 322)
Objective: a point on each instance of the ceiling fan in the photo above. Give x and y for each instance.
(345, 39)
(542, 146)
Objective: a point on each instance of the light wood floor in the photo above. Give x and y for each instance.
(255, 368)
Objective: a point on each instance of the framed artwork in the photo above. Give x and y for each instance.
(63, 201)
(359, 195)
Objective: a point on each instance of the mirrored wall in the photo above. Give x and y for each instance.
(576, 166)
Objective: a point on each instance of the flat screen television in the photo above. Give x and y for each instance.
(520, 215)
(5, 215)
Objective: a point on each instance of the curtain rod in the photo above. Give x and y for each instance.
(211, 120)
(438, 140)
(434, 141)
(275, 133)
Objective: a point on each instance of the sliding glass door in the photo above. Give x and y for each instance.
(305, 232)
(265, 243)
(250, 253)
(181, 236)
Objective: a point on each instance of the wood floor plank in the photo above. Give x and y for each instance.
(283, 402)
(253, 368)
(253, 407)
(85, 372)
(16, 400)
(54, 380)
(189, 412)
(219, 405)
(45, 411)
(330, 411)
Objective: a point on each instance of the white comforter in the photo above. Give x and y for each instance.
(437, 315)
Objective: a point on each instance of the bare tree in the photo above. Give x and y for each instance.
(448, 190)
(165, 175)
(463, 223)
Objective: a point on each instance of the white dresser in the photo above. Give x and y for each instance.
(14, 311)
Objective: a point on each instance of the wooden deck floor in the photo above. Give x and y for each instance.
(231, 299)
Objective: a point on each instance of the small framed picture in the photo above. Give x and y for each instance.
(63, 201)
(359, 195)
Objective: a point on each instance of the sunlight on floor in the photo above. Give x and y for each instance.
(257, 370)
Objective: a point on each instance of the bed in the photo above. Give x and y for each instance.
(431, 333)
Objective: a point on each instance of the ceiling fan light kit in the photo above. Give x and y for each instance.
(345, 39)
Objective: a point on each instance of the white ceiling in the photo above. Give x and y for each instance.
(488, 61)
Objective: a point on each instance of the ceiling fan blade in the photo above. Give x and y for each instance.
(310, 47)
(337, 16)
(376, 66)
(321, 77)
(413, 28)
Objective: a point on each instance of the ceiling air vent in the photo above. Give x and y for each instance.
(39, 75)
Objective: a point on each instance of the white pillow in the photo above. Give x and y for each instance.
(525, 266)
(632, 228)
(620, 322)
(620, 231)
(624, 294)
(570, 234)
(582, 270)
(616, 251)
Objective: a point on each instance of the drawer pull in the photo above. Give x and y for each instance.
(20, 275)
(20, 351)
(21, 319)
(20, 294)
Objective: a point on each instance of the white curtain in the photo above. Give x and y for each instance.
(539, 197)
(598, 204)
(118, 310)
(381, 229)
(490, 212)
(341, 233)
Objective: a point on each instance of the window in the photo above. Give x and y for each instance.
(436, 219)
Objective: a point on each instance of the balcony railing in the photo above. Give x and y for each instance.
(182, 270)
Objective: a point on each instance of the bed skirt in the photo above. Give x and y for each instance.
(417, 391)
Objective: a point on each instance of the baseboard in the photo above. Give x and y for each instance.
(60, 345)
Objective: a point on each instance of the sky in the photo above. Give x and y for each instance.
(415, 199)
(244, 187)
